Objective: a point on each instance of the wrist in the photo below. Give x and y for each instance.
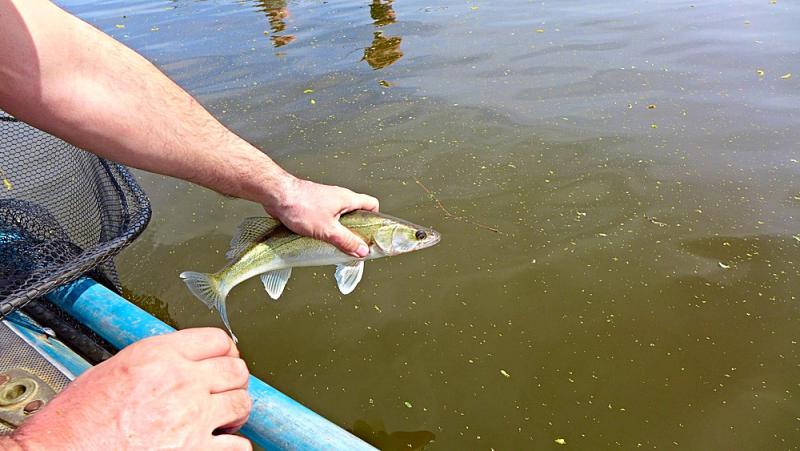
(272, 187)
(251, 175)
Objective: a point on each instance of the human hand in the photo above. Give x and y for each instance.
(166, 392)
(312, 209)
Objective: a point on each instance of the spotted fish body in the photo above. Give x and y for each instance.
(263, 246)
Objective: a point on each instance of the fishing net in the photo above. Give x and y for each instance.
(64, 213)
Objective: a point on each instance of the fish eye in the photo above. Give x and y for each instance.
(421, 235)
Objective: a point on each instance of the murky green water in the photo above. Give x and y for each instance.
(639, 159)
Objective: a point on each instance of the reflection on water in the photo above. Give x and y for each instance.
(382, 12)
(384, 51)
(394, 441)
(277, 11)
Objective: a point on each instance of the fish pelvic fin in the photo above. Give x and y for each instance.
(209, 289)
(348, 275)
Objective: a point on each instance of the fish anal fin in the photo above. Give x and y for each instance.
(275, 281)
(249, 232)
(348, 275)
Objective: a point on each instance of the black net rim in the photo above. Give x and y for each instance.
(138, 216)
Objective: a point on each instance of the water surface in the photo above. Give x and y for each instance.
(639, 161)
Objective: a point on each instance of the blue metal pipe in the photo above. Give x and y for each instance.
(276, 422)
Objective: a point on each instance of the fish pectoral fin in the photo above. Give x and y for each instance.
(348, 275)
(275, 281)
(250, 232)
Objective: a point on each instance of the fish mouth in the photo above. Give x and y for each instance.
(433, 239)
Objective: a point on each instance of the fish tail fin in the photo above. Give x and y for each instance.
(209, 289)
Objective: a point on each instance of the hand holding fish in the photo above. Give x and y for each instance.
(313, 210)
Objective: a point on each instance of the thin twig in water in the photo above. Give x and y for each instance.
(448, 213)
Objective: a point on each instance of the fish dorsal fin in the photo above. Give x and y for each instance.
(348, 275)
(275, 281)
(249, 232)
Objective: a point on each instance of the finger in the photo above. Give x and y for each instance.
(231, 409)
(347, 241)
(363, 202)
(203, 343)
(231, 442)
(224, 373)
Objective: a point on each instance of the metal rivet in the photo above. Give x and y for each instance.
(33, 406)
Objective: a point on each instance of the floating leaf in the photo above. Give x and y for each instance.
(473, 8)
(653, 126)
(505, 373)
(154, 28)
(540, 30)
(786, 76)
(723, 265)
(796, 238)
(760, 72)
(312, 101)
(385, 83)
(8, 184)
(560, 441)
(308, 91)
(408, 404)
(119, 25)
(652, 106)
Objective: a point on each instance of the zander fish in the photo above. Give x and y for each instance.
(263, 246)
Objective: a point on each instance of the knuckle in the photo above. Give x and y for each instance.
(236, 369)
(241, 403)
(242, 444)
(217, 339)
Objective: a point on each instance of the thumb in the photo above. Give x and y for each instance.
(347, 241)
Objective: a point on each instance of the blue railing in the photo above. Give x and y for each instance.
(276, 422)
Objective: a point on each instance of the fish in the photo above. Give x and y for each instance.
(264, 247)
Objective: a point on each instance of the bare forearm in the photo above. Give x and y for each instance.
(66, 77)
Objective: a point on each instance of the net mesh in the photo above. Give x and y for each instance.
(64, 213)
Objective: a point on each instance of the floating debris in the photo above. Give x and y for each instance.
(652, 106)
(724, 266)
(786, 76)
(407, 404)
(7, 184)
(308, 91)
(653, 220)
(560, 441)
(505, 373)
(385, 83)
(760, 72)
